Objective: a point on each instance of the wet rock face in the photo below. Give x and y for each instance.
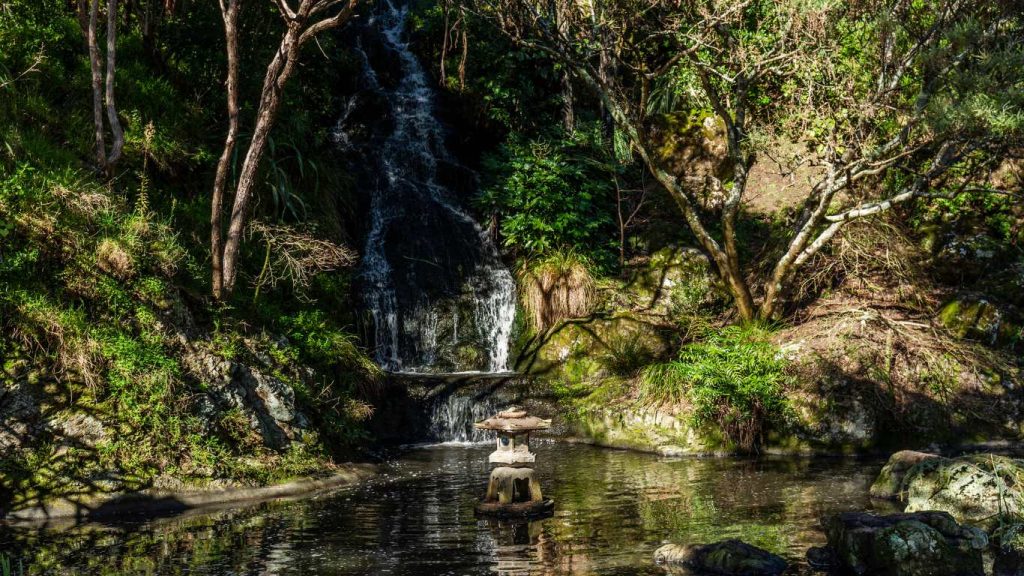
(974, 488)
(266, 402)
(725, 558)
(919, 544)
(889, 484)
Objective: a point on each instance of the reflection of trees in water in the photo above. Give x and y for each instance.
(775, 504)
(239, 542)
(612, 509)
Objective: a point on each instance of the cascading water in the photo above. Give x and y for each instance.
(439, 296)
(452, 418)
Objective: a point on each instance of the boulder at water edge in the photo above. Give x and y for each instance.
(1009, 551)
(921, 544)
(726, 558)
(977, 488)
(889, 483)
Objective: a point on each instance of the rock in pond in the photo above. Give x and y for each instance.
(725, 558)
(977, 488)
(1009, 551)
(889, 484)
(921, 544)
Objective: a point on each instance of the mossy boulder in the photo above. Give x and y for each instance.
(977, 488)
(833, 412)
(921, 544)
(672, 282)
(646, 428)
(977, 318)
(590, 350)
(963, 257)
(725, 558)
(889, 484)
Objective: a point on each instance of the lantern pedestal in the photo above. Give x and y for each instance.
(513, 490)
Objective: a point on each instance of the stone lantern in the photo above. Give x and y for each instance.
(513, 490)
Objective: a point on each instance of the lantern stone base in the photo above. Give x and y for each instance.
(514, 493)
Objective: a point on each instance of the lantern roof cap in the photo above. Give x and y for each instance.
(513, 420)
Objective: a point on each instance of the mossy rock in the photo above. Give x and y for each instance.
(977, 318)
(595, 349)
(922, 544)
(1009, 550)
(977, 488)
(673, 282)
(889, 484)
(693, 142)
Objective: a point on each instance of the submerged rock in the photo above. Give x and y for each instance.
(726, 558)
(921, 544)
(889, 484)
(976, 488)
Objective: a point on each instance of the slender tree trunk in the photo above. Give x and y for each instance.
(116, 132)
(273, 84)
(95, 66)
(568, 116)
(300, 29)
(622, 224)
(465, 52)
(229, 12)
(444, 41)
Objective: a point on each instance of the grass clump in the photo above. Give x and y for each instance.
(555, 288)
(734, 379)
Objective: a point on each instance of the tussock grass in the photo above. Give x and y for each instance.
(555, 288)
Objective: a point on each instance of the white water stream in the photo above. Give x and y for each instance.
(413, 337)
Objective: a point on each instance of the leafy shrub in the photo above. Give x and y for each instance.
(734, 379)
(554, 194)
(321, 343)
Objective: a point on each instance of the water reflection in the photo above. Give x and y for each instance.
(612, 510)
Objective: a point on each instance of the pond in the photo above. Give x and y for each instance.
(613, 508)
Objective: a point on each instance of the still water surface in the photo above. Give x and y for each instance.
(613, 508)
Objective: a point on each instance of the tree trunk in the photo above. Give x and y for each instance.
(273, 84)
(97, 84)
(568, 117)
(117, 134)
(727, 266)
(229, 13)
(299, 31)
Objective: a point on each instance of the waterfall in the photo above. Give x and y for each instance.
(452, 417)
(437, 292)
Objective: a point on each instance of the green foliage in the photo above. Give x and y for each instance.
(323, 344)
(510, 88)
(102, 278)
(734, 379)
(554, 194)
(9, 568)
